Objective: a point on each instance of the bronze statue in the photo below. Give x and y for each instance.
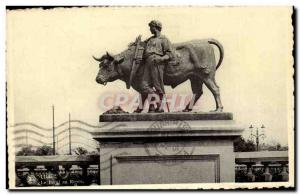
(148, 66)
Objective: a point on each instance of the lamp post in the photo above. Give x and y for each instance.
(257, 135)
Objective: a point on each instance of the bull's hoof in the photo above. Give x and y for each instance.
(138, 110)
(159, 110)
(217, 110)
(187, 110)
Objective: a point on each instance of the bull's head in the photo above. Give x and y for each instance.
(108, 68)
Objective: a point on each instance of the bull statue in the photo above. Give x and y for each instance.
(195, 62)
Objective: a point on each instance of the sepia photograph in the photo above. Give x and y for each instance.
(150, 97)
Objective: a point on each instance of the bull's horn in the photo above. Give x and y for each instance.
(109, 55)
(97, 59)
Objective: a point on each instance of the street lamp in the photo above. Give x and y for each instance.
(257, 135)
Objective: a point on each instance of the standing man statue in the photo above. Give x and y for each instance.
(158, 52)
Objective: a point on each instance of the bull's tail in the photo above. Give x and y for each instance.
(221, 49)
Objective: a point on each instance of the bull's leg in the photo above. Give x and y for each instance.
(140, 108)
(197, 91)
(214, 88)
(159, 104)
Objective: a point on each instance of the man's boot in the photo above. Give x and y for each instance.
(151, 108)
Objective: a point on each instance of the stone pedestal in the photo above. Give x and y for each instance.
(167, 148)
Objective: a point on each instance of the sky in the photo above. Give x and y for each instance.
(49, 61)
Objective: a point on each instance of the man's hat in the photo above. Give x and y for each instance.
(155, 23)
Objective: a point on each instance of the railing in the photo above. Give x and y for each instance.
(71, 170)
(263, 166)
(63, 170)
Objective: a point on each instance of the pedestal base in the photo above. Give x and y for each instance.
(161, 152)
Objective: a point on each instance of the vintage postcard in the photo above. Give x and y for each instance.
(133, 97)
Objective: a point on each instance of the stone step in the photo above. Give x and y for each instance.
(166, 116)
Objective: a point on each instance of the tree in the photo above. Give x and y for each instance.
(80, 151)
(275, 146)
(26, 151)
(44, 151)
(242, 145)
